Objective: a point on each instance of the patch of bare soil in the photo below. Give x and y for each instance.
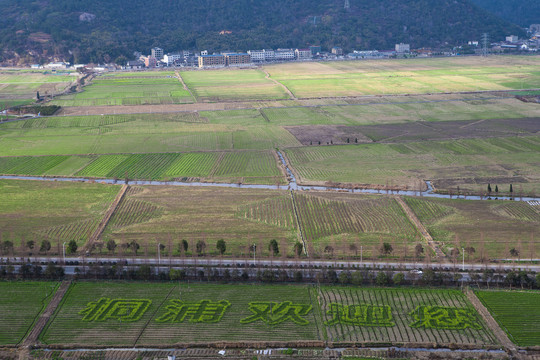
(446, 130)
(328, 134)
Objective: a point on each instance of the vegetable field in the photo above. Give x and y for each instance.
(128, 314)
(20, 305)
(517, 313)
(245, 166)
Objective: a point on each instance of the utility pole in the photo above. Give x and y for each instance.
(485, 43)
(159, 253)
(64, 252)
(463, 266)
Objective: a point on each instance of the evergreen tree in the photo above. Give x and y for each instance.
(511, 189)
(496, 188)
(489, 188)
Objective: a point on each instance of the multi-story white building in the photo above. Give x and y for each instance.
(512, 39)
(257, 55)
(284, 54)
(170, 59)
(303, 54)
(403, 48)
(157, 53)
(269, 55)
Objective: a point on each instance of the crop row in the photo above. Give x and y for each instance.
(401, 302)
(519, 210)
(277, 211)
(321, 217)
(518, 314)
(79, 231)
(192, 165)
(428, 211)
(131, 211)
(28, 165)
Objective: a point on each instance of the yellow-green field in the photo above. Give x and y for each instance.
(357, 78)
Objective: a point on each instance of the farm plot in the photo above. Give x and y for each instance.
(20, 305)
(461, 162)
(37, 211)
(488, 229)
(18, 87)
(249, 167)
(332, 223)
(143, 90)
(147, 314)
(169, 215)
(517, 312)
(406, 77)
(145, 133)
(402, 315)
(227, 85)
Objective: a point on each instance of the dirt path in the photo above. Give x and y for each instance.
(414, 219)
(44, 318)
(291, 95)
(101, 227)
(492, 324)
(184, 85)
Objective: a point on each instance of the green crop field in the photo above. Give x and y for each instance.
(492, 227)
(226, 85)
(357, 78)
(517, 312)
(259, 167)
(20, 305)
(128, 314)
(54, 211)
(463, 161)
(129, 89)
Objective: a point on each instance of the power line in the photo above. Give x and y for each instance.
(485, 43)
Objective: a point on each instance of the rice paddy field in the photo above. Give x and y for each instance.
(128, 314)
(492, 227)
(227, 85)
(20, 304)
(129, 89)
(358, 78)
(53, 211)
(517, 313)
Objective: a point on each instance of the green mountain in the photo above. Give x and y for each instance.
(103, 30)
(520, 12)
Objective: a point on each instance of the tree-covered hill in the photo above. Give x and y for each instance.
(521, 12)
(102, 30)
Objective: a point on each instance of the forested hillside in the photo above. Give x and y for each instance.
(101, 30)
(521, 12)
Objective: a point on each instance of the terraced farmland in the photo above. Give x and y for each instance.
(20, 305)
(517, 313)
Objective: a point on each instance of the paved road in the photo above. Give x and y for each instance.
(289, 263)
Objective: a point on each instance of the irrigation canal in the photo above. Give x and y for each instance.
(292, 185)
